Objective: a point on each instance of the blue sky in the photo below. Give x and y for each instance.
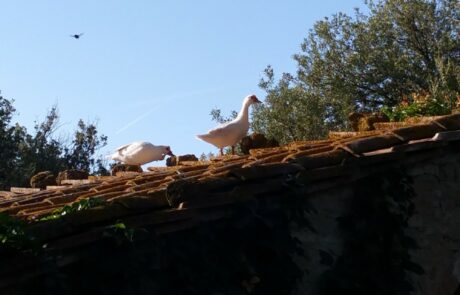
(147, 70)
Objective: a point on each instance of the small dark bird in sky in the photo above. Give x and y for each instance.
(77, 36)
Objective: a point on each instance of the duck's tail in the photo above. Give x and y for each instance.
(200, 137)
(113, 156)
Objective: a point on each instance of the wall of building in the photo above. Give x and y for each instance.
(434, 225)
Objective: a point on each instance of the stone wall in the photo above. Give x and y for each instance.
(328, 206)
(434, 225)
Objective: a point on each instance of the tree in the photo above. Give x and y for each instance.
(80, 155)
(216, 115)
(289, 112)
(22, 154)
(362, 63)
(10, 138)
(41, 151)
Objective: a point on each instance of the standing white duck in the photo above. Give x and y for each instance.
(229, 133)
(140, 153)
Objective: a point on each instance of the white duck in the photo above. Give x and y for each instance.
(140, 153)
(229, 133)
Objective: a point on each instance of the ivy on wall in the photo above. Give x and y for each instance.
(12, 235)
(375, 258)
(251, 252)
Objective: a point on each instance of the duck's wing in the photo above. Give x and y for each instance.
(131, 148)
(223, 128)
(118, 153)
(123, 147)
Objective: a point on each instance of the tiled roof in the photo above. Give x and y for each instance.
(179, 196)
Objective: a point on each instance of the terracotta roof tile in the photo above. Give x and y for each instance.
(77, 181)
(171, 198)
(79, 188)
(15, 208)
(417, 131)
(307, 152)
(379, 126)
(447, 136)
(421, 120)
(270, 159)
(299, 145)
(6, 195)
(183, 169)
(350, 134)
(324, 159)
(419, 145)
(38, 198)
(368, 144)
(64, 198)
(147, 185)
(24, 190)
(322, 173)
(449, 123)
(227, 166)
(378, 156)
(266, 171)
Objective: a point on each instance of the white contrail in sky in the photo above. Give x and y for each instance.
(133, 122)
(159, 102)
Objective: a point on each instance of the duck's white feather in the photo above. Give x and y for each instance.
(226, 134)
(139, 153)
(230, 133)
(124, 146)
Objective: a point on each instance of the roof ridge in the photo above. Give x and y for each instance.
(367, 147)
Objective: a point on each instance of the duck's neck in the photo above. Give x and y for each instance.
(244, 112)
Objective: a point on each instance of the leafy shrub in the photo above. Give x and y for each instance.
(419, 105)
(74, 207)
(12, 234)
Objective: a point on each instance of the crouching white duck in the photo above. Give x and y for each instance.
(140, 153)
(229, 133)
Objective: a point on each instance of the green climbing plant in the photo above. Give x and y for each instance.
(376, 257)
(13, 235)
(74, 207)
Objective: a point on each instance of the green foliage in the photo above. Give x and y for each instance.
(40, 151)
(207, 157)
(416, 109)
(120, 232)
(83, 147)
(289, 112)
(11, 137)
(376, 257)
(362, 63)
(22, 154)
(12, 234)
(427, 106)
(216, 115)
(250, 251)
(74, 207)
